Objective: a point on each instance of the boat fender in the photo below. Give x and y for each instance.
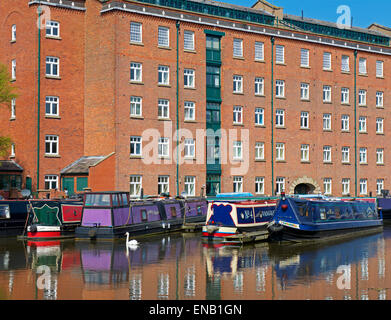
(92, 233)
(33, 228)
(168, 226)
(274, 227)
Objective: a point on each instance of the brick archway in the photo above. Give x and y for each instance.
(306, 181)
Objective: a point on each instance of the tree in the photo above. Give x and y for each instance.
(7, 93)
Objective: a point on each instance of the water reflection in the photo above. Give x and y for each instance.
(179, 266)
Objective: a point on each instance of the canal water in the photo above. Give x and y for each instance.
(180, 267)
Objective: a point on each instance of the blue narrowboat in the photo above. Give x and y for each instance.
(109, 215)
(13, 216)
(298, 219)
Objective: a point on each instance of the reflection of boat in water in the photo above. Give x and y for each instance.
(227, 261)
(297, 261)
(227, 218)
(311, 219)
(109, 262)
(108, 215)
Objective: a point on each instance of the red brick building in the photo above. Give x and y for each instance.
(263, 100)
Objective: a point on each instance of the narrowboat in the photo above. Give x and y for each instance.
(13, 216)
(52, 219)
(231, 216)
(298, 219)
(109, 215)
(385, 205)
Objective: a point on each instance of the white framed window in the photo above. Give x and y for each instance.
(259, 86)
(52, 105)
(259, 185)
(259, 51)
(52, 29)
(136, 106)
(304, 58)
(280, 88)
(379, 125)
(363, 186)
(190, 185)
(259, 151)
(51, 182)
(379, 69)
(135, 185)
(51, 145)
(238, 48)
(345, 154)
(163, 107)
(52, 66)
(280, 151)
(379, 99)
(189, 150)
(345, 95)
(237, 184)
(164, 75)
(304, 91)
(13, 108)
(12, 155)
(345, 186)
(326, 93)
(380, 156)
(13, 69)
(13, 32)
(345, 123)
(362, 124)
(345, 64)
(188, 40)
(136, 32)
(363, 155)
(136, 72)
(362, 66)
(326, 61)
(280, 118)
(259, 116)
(135, 146)
(163, 147)
(327, 185)
(280, 54)
(163, 37)
(189, 111)
(163, 184)
(379, 186)
(280, 185)
(237, 150)
(304, 120)
(237, 84)
(305, 152)
(238, 115)
(327, 154)
(327, 121)
(189, 78)
(362, 97)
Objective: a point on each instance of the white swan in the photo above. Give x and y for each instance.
(132, 244)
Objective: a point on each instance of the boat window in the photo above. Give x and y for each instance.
(199, 210)
(4, 212)
(98, 200)
(173, 212)
(322, 212)
(144, 216)
(115, 200)
(124, 199)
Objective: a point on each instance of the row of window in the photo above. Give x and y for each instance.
(135, 183)
(52, 67)
(52, 29)
(327, 185)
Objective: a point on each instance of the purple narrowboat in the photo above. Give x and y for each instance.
(109, 215)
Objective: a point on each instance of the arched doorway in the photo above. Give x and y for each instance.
(304, 188)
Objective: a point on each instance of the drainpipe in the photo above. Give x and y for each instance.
(39, 92)
(272, 113)
(177, 107)
(355, 123)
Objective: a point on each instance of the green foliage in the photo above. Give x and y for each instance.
(5, 145)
